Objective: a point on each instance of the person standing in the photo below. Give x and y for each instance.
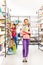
(25, 33)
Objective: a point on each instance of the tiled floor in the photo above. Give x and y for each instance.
(35, 57)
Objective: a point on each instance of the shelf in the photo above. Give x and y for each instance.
(2, 25)
(3, 12)
(0, 44)
(1, 33)
(2, 18)
(3, 5)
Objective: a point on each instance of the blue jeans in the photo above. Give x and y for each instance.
(16, 40)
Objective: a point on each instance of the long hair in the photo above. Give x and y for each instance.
(28, 22)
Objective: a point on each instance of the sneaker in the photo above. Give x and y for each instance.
(25, 60)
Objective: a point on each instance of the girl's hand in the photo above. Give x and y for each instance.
(14, 44)
(26, 33)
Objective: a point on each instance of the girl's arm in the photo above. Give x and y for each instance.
(27, 32)
(11, 30)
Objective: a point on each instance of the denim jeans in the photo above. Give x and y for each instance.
(16, 40)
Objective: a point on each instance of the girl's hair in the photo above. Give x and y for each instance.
(28, 22)
(12, 39)
(25, 19)
(14, 25)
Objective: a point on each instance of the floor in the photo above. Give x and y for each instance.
(35, 57)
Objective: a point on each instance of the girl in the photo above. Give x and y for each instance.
(14, 34)
(11, 47)
(26, 39)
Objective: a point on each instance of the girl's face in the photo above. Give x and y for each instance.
(26, 22)
(12, 41)
(14, 26)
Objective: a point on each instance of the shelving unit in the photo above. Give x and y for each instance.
(41, 28)
(2, 33)
(41, 35)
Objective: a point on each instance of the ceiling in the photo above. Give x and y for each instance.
(23, 7)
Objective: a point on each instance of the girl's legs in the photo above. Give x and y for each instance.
(25, 48)
(8, 49)
(15, 40)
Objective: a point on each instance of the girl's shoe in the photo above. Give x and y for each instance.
(25, 60)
